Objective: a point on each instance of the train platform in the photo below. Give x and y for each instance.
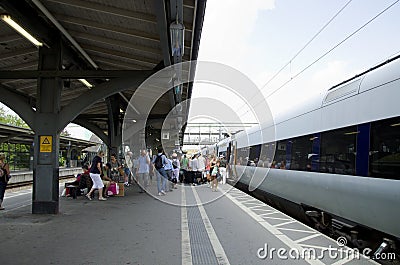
(223, 227)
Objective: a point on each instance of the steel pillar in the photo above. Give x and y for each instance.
(47, 138)
(114, 125)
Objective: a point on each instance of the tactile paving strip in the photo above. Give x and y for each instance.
(200, 244)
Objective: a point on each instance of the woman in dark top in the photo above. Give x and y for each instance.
(4, 173)
(95, 172)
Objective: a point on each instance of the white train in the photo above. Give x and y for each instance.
(336, 162)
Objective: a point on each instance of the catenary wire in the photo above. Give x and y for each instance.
(329, 51)
(301, 50)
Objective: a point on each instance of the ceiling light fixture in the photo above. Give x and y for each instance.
(7, 19)
(86, 83)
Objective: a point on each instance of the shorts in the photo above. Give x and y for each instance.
(127, 171)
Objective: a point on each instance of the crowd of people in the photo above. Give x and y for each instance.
(168, 170)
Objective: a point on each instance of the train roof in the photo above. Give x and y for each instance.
(372, 78)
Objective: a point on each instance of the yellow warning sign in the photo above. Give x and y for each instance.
(46, 144)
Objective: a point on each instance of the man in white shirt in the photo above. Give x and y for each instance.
(201, 162)
(143, 170)
(195, 167)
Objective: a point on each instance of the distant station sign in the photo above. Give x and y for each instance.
(46, 144)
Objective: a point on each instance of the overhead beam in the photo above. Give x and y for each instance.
(108, 41)
(22, 65)
(188, 3)
(104, 90)
(119, 64)
(111, 28)
(93, 128)
(20, 52)
(107, 10)
(72, 74)
(10, 38)
(163, 31)
(19, 104)
(32, 21)
(139, 59)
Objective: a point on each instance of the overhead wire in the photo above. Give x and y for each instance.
(301, 50)
(330, 50)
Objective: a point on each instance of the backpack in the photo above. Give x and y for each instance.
(174, 164)
(158, 162)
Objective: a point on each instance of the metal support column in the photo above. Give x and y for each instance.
(115, 125)
(46, 144)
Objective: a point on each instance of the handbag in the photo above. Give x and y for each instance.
(112, 189)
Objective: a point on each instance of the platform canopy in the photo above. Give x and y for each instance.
(102, 42)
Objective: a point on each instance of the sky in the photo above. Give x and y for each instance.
(259, 37)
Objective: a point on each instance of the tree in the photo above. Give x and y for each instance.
(11, 119)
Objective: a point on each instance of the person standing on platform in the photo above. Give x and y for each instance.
(128, 168)
(95, 171)
(159, 161)
(4, 177)
(168, 169)
(201, 162)
(215, 175)
(143, 170)
(175, 171)
(195, 167)
(222, 169)
(184, 163)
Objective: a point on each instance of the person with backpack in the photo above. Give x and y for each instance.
(159, 163)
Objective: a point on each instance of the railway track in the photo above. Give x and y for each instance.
(27, 183)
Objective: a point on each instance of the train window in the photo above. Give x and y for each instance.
(302, 153)
(283, 154)
(242, 156)
(338, 151)
(384, 154)
(254, 155)
(266, 155)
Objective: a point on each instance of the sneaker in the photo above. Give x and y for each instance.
(163, 192)
(102, 199)
(160, 194)
(88, 197)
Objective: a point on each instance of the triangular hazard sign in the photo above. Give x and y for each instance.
(46, 141)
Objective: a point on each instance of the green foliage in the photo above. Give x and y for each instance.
(61, 161)
(11, 119)
(17, 155)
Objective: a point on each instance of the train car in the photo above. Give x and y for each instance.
(335, 162)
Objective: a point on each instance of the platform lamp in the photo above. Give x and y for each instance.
(7, 19)
(177, 38)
